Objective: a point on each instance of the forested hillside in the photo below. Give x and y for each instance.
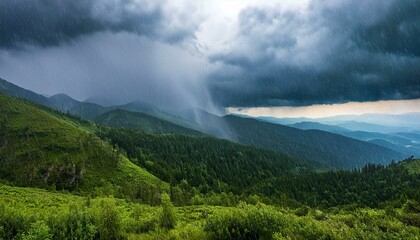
(43, 148)
(208, 164)
(212, 165)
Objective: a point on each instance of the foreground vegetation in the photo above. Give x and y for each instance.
(29, 213)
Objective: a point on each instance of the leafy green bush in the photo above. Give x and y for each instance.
(39, 231)
(109, 222)
(245, 222)
(167, 218)
(80, 224)
(302, 211)
(12, 223)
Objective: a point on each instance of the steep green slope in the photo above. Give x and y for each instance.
(331, 149)
(139, 121)
(45, 149)
(207, 163)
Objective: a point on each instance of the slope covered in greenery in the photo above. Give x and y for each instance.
(28, 213)
(140, 121)
(42, 148)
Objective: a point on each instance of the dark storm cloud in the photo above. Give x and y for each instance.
(118, 67)
(336, 51)
(51, 22)
(397, 34)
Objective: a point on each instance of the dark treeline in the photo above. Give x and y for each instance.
(207, 163)
(372, 186)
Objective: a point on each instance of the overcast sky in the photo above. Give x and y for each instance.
(214, 54)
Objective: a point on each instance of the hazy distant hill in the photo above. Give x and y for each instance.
(142, 107)
(60, 102)
(328, 148)
(88, 110)
(404, 142)
(16, 91)
(384, 123)
(140, 121)
(319, 126)
(371, 127)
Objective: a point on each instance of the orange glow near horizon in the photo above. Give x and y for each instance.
(328, 110)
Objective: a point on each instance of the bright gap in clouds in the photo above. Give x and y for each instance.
(221, 18)
(329, 110)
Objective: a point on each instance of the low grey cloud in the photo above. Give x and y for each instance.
(335, 51)
(120, 68)
(49, 22)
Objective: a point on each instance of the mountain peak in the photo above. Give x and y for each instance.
(61, 96)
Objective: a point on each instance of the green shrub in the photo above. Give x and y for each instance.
(38, 231)
(302, 211)
(411, 206)
(245, 222)
(147, 225)
(167, 218)
(12, 223)
(79, 224)
(109, 222)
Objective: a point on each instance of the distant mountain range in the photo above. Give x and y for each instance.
(319, 126)
(385, 123)
(404, 142)
(324, 147)
(331, 149)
